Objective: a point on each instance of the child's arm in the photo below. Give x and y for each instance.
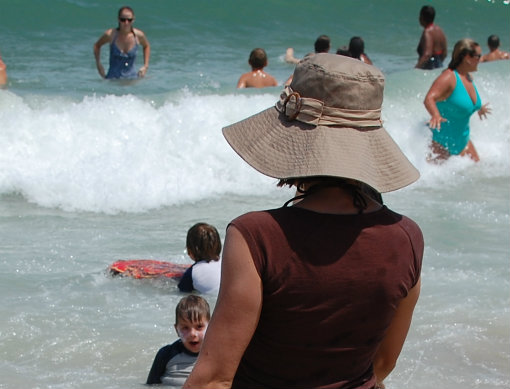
(159, 365)
(186, 282)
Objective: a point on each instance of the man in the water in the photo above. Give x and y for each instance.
(257, 78)
(432, 48)
(495, 53)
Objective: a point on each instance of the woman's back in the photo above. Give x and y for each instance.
(331, 287)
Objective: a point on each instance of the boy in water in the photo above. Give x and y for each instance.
(495, 53)
(257, 78)
(204, 246)
(174, 362)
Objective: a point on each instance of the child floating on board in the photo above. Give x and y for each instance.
(173, 363)
(204, 247)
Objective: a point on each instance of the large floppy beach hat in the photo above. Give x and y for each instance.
(327, 123)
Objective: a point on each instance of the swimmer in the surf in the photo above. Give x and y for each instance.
(356, 50)
(432, 49)
(203, 244)
(124, 41)
(257, 78)
(322, 45)
(173, 363)
(495, 53)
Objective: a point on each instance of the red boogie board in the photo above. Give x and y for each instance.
(147, 268)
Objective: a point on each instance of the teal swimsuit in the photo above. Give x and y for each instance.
(457, 109)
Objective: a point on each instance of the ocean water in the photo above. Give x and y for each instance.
(92, 171)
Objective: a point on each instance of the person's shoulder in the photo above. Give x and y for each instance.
(447, 77)
(171, 348)
(406, 224)
(110, 32)
(139, 34)
(241, 83)
(256, 215)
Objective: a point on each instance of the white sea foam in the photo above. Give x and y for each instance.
(126, 153)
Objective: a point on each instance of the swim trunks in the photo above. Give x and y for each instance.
(457, 109)
(122, 65)
(433, 62)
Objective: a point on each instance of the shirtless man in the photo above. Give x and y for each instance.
(257, 78)
(432, 49)
(495, 53)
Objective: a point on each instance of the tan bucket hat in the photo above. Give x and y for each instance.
(327, 123)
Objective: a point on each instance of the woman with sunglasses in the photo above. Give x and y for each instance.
(451, 100)
(124, 41)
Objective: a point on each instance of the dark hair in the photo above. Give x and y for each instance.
(258, 58)
(493, 41)
(343, 51)
(203, 242)
(356, 47)
(460, 50)
(192, 308)
(322, 44)
(427, 14)
(125, 8)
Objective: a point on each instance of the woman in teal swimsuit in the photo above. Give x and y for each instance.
(451, 101)
(124, 41)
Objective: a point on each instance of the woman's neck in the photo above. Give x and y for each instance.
(335, 200)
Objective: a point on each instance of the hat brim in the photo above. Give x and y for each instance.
(281, 149)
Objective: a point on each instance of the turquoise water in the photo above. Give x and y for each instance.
(93, 171)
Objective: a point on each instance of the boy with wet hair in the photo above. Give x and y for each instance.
(494, 52)
(257, 78)
(173, 363)
(203, 244)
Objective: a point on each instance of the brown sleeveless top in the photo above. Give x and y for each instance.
(331, 285)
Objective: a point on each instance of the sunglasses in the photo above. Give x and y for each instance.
(474, 55)
(123, 20)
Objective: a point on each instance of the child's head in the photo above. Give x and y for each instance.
(258, 58)
(203, 243)
(192, 315)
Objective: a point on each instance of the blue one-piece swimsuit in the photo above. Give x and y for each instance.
(457, 109)
(122, 65)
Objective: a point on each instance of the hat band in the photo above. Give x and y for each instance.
(312, 111)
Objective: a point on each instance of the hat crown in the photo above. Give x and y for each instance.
(339, 82)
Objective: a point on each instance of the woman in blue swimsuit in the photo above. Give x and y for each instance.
(124, 41)
(451, 101)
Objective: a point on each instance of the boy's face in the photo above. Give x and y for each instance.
(191, 334)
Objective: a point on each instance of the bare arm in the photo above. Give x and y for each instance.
(105, 38)
(146, 53)
(391, 346)
(440, 90)
(428, 47)
(234, 320)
